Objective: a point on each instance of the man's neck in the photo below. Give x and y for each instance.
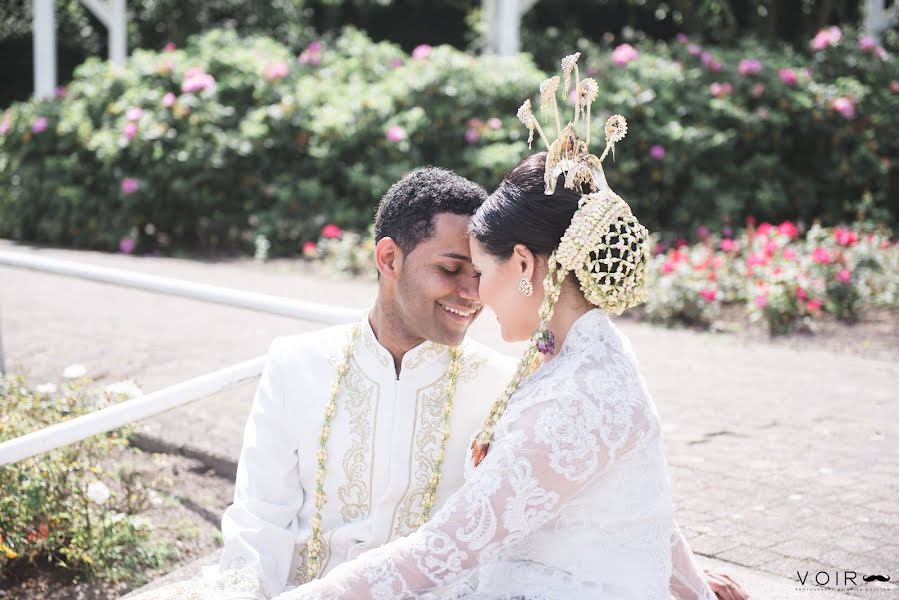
(389, 332)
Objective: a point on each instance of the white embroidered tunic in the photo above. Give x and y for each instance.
(383, 443)
(572, 502)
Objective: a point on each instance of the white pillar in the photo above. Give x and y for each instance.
(877, 18)
(44, 44)
(118, 32)
(112, 15)
(503, 25)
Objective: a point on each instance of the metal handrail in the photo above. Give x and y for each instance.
(117, 415)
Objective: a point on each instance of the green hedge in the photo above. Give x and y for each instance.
(269, 144)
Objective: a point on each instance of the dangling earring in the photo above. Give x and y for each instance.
(525, 286)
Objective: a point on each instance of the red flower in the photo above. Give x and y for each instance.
(764, 229)
(788, 228)
(669, 267)
(310, 249)
(709, 294)
(813, 305)
(822, 256)
(845, 237)
(331, 231)
(800, 292)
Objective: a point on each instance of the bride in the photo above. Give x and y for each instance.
(567, 490)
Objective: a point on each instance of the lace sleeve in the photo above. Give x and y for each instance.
(554, 441)
(688, 582)
(260, 528)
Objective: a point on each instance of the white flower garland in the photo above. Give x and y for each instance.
(452, 375)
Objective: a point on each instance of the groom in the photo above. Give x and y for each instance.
(351, 426)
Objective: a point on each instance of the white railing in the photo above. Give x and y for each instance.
(129, 411)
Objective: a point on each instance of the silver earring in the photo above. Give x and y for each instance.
(525, 286)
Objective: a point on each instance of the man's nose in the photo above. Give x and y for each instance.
(468, 290)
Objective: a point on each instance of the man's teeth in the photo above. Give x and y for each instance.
(458, 312)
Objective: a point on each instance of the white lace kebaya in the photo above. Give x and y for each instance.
(573, 501)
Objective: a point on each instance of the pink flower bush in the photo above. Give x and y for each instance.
(711, 63)
(395, 134)
(708, 294)
(788, 76)
(422, 52)
(197, 80)
(749, 66)
(331, 231)
(788, 229)
(844, 276)
(728, 245)
(657, 152)
(845, 237)
(866, 43)
(39, 125)
(845, 107)
(130, 185)
(624, 54)
(274, 71)
(169, 100)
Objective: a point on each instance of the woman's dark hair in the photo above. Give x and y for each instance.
(519, 212)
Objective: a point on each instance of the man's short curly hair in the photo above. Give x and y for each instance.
(406, 212)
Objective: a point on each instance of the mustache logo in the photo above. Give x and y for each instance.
(876, 578)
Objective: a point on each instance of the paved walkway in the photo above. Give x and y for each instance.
(783, 459)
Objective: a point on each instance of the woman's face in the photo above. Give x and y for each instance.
(498, 288)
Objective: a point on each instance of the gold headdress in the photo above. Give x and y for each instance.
(604, 246)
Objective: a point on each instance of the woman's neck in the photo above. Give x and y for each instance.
(567, 311)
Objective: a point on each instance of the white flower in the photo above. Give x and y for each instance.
(126, 388)
(139, 522)
(45, 389)
(74, 371)
(98, 492)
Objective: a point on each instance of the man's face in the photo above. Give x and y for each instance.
(437, 289)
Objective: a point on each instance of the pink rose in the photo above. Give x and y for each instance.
(761, 300)
(421, 52)
(39, 124)
(718, 90)
(813, 305)
(758, 90)
(845, 237)
(331, 231)
(170, 47)
(844, 276)
(826, 37)
(494, 123)
(395, 63)
(130, 185)
(789, 254)
(624, 54)
(657, 152)
(61, 91)
(668, 266)
(866, 43)
(749, 66)
(821, 256)
(472, 135)
(310, 250)
(788, 228)
(845, 107)
(728, 245)
(681, 38)
(197, 80)
(312, 55)
(126, 245)
(788, 76)
(709, 294)
(130, 130)
(169, 100)
(801, 293)
(134, 113)
(694, 50)
(275, 70)
(395, 133)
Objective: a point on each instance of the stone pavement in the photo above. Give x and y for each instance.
(783, 459)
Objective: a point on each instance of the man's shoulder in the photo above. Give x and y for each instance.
(319, 343)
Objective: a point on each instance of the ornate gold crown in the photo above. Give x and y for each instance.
(605, 246)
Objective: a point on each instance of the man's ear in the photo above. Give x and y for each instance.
(388, 258)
